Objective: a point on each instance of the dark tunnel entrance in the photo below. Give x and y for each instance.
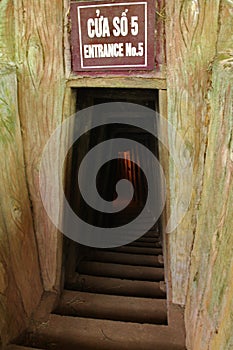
(126, 166)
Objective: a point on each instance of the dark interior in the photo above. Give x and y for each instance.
(112, 171)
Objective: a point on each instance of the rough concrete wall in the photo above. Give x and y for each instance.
(31, 105)
(200, 103)
(209, 310)
(41, 86)
(191, 47)
(20, 282)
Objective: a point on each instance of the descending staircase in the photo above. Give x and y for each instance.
(116, 302)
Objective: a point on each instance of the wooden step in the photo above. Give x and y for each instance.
(138, 250)
(19, 347)
(145, 244)
(121, 271)
(111, 307)
(128, 259)
(116, 286)
(153, 234)
(63, 333)
(149, 239)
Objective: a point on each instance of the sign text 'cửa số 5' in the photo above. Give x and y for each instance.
(112, 36)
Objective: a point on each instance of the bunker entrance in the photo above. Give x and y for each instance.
(125, 166)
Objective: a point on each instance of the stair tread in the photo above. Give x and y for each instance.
(117, 286)
(145, 244)
(148, 239)
(125, 258)
(19, 347)
(112, 307)
(121, 271)
(65, 332)
(138, 250)
(152, 234)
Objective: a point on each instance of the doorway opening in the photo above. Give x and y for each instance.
(131, 271)
(126, 166)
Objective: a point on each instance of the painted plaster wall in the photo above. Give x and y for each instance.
(20, 281)
(200, 73)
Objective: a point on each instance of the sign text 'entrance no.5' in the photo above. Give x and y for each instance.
(112, 36)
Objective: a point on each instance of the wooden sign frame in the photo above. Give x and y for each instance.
(112, 36)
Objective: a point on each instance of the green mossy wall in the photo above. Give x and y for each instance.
(20, 282)
(200, 103)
